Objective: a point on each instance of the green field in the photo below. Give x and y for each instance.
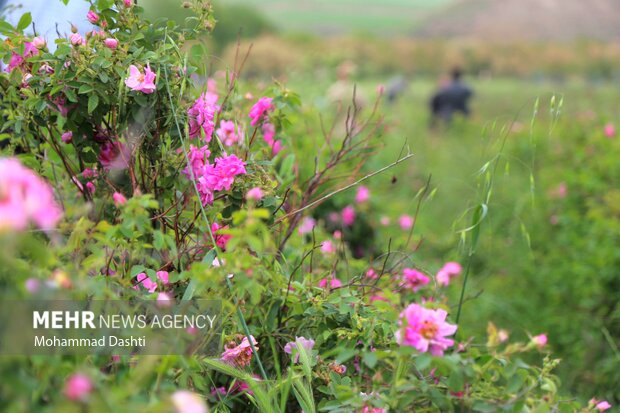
(526, 269)
(341, 16)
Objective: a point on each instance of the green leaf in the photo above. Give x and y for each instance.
(85, 89)
(370, 359)
(93, 101)
(5, 28)
(135, 270)
(24, 21)
(158, 240)
(71, 95)
(456, 381)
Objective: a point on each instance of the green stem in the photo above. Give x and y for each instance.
(465, 277)
(204, 215)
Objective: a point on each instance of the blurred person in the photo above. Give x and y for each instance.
(344, 94)
(452, 97)
(396, 87)
(341, 91)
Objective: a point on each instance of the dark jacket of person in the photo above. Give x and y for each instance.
(450, 99)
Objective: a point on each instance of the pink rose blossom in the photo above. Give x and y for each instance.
(328, 247)
(119, 199)
(25, 198)
(97, 33)
(255, 194)
(30, 50)
(39, 42)
(227, 133)
(67, 137)
(405, 222)
(334, 217)
(17, 60)
(128, 3)
(92, 17)
(601, 406)
(32, 285)
(447, 272)
(260, 110)
(78, 387)
(218, 391)
(201, 116)
(211, 85)
(110, 43)
(414, 279)
(187, 402)
(89, 173)
(610, 130)
(337, 234)
(372, 274)
(269, 132)
(243, 386)
(139, 82)
(163, 276)
(378, 297)
(332, 281)
(362, 195)
(425, 330)
(239, 355)
(90, 187)
(348, 216)
(164, 300)
(368, 409)
(276, 148)
(221, 175)
(540, 340)
(77, 39)
(146, 282)
(114, 155)
(385, 221)
(198, 158)
(61, 105)
(560, 191)
(502, 336)
(45, 68)
(307, 344)
(220, 239)
(306, 226)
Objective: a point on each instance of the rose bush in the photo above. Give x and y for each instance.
(129, 173)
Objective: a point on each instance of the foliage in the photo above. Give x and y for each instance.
(129, 182)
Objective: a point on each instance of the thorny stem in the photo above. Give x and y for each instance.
(337, 191)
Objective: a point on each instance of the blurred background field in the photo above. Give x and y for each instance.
(545, 76)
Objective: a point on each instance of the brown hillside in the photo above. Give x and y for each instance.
(510, 20)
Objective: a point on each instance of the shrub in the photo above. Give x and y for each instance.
(167, 188)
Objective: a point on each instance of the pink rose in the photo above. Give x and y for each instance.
(78, 387)
(92, 17)
(110, 43)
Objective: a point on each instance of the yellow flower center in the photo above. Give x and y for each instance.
(428, 330)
